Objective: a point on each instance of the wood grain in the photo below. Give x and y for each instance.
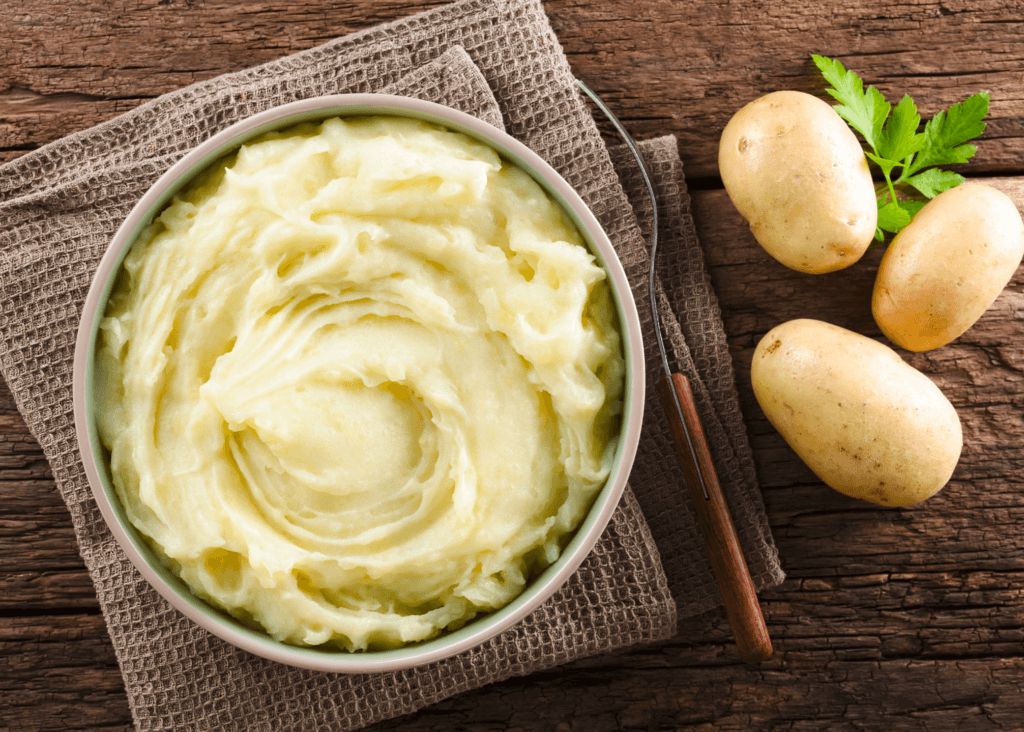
(739, 596)
(665, 67)
(59, 672)
(907, 619)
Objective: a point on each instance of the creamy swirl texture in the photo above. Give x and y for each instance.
(359, 381)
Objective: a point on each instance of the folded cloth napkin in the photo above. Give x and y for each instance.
(499, 60)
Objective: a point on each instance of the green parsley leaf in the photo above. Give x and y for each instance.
(933, 181)
(885, 164)
(912, 207)
(946, 132)
(894, 141)
(892, 217)
(900, 137)
(864, 111)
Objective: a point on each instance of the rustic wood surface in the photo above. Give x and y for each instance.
(905, 619)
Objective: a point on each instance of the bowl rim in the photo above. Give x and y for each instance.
(219, 623)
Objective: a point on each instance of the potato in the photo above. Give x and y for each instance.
(795, 171)
(867, 423)
(947, 266)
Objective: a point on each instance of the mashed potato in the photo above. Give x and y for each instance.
(359, 382)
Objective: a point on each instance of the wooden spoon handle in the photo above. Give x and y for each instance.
(730, 568)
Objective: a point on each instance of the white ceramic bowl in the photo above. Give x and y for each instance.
(97, 460)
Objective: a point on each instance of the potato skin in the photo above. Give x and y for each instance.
(947, 266)
(798, 175)
(867, 423)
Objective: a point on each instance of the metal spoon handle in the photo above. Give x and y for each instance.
(713, 518)
(716, 526)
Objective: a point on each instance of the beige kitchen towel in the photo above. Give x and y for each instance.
(497, 59)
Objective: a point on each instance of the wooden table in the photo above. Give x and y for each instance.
(890, 619)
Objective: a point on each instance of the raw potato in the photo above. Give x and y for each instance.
(947, 266)
(797, 174)
(867, 423)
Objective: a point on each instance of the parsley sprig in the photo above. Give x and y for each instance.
(896, 143)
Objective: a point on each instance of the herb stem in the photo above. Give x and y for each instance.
(905, 172)
(892, 189)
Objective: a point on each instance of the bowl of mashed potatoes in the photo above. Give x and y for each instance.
(358, 383)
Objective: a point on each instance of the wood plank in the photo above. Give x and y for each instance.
(681, 68)
(40, 568)
(59, 672)
(911, 696)
(686, 68)
(860, 675)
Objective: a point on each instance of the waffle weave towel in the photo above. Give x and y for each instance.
(498, 60)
